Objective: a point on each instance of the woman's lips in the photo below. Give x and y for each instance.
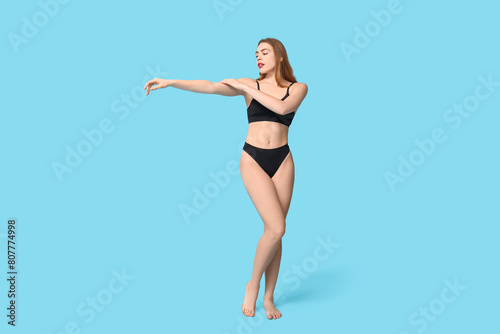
(260, 65)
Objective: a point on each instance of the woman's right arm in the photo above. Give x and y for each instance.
(197, 86)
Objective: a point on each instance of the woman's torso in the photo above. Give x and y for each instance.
(267, 134)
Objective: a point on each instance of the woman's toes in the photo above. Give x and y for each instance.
(248, 312)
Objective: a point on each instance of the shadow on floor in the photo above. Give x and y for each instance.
(318, 286)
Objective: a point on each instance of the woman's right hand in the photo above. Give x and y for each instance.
(162, 83)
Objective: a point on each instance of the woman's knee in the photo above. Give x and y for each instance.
(275, 232)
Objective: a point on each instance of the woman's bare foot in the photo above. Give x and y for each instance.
(251, 294)
(271, 311)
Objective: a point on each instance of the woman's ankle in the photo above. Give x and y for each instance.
(269, 297)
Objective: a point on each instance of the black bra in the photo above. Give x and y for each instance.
(257, 112)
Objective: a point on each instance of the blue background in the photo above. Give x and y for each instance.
(118, 210)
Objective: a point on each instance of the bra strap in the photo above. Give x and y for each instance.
(258, 86)
(288, 88)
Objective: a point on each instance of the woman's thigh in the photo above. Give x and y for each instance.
(262, 192)
(283, 182)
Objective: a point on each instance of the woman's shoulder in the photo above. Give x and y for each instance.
(300, 86)
(303, 84)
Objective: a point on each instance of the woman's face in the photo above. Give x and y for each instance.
(265, 58)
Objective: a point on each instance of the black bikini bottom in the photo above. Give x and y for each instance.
(269, 159)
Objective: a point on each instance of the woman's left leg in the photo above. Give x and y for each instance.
(283, 181)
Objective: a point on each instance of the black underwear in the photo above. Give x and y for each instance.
(269, 159)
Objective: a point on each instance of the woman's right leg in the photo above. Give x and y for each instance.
(263, 194)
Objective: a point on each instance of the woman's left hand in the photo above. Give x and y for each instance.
(234, 83)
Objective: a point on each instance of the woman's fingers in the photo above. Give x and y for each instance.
(159, 82)
(149, 84)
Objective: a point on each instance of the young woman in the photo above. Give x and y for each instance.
(266, 164)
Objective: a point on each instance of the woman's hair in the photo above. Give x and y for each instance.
(282, 68)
